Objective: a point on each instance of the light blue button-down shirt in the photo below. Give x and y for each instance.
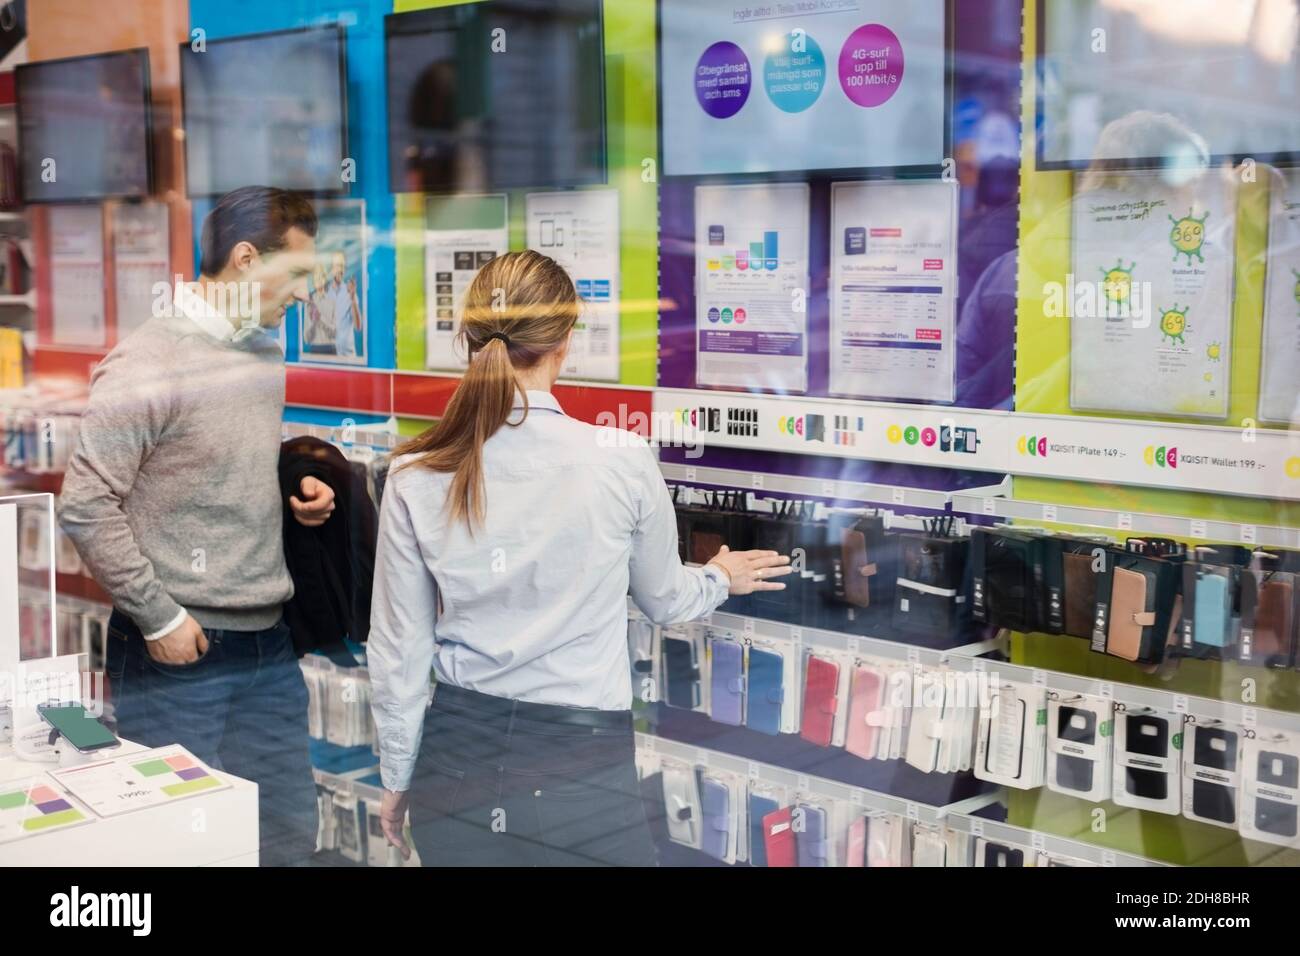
(534, 603)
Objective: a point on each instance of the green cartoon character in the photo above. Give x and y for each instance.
(1117, 282)
(1295, 290)
(1188, 236)
(1173, 324)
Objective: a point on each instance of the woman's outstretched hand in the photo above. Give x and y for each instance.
(750, 571)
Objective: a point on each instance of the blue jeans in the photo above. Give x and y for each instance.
(241, 707)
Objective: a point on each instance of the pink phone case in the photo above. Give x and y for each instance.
(864, 699)
(857, 855)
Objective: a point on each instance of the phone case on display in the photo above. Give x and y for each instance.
(865, 698)
(779, 838)
(728, 683)
(865, 562)
(1079, 754)
(779, 533)
(766, 691)
(820, 701)
(856, 855)
(1003, 590)
(813, 841)
(715, 801)
(999, 854)
(682, 805)
(928, 595)
(1211, 768)
(1271, 789)
(1072, 570)
(643, 654)
(1211, 586)
(1146, 765)
(1137, 597)
(760, 805)
(1268, 615)
(682, 673)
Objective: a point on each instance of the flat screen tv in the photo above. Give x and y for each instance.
(501, 94)
(266, 109)
(84, 127)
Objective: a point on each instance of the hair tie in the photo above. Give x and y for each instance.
(497, 335)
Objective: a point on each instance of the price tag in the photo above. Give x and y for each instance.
(914, 655)
(976, 827)
(913, 812)
(1107, 857)
(1248, 717)
(749, 625)
(1124, 521)
(1180, 703)
(852, 644)
(756, 480)
(1049, 512)
(1248, 534)
(979, 665)
(753, 770)
(1040, 678)
(702, 757)
(900, 496)
(1198, 529)
(1038, 842)
(1106, 689)
(990, 506)
(690, 474)
(857, 798)
(796, 634)
(828, 489)
(801, 783)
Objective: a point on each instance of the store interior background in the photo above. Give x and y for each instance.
(1008, 207)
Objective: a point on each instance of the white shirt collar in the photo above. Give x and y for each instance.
(538, 399)
(191, 304)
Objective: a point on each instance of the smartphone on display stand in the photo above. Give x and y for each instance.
(78, 726)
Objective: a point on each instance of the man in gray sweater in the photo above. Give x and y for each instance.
(172, 497)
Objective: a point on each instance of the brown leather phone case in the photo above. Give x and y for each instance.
(1080, 594)
(857, 582)
(1273, 619)
(704, 545)
(1128, 614)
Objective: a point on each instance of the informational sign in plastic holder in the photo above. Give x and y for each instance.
(461, 235)
(751, 286)
(39, 805)
(1279, 386)
(140, 780)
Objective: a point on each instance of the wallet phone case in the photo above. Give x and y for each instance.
(999, 854)
(682, 670)
(682, 805)
(779, 838)
(1080, 597)
(813, 843)
(819, 701)
(728, 683)
(865, 697)
(1128, 614)
(715, 802)
(760, 805)
(766, 691)
(1268, 618)
(1211, 610)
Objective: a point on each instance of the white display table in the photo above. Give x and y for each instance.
(217, 829)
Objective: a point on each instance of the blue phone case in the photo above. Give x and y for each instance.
(728, 683)
(1211, 610)
(766, 691)
(813, 847)
(759, 807)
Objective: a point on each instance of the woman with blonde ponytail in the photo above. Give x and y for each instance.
(510, 538)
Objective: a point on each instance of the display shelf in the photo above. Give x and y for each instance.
(1130, 695)
(829, 489)
(807, 784)
(978, 502)
(1045, 842)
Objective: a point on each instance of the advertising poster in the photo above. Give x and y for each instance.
(461, 235)
(755, 87)
(141, 237)
(1279, 386)
(892, 290)
(77, 275)
(1150, 296)
(332, 323)
(751, 276)
(579, 230)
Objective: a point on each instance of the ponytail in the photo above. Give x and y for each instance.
(519, 308)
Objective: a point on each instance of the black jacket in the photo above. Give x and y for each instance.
(332, 566)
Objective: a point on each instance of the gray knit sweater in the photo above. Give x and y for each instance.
(172, 495)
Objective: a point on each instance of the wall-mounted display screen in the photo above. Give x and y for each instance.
(84, 127)
(268, 109)
(496, 95)
(859, 84)
(1166, 82)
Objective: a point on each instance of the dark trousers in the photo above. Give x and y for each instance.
(241, 707)
(505, 783)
